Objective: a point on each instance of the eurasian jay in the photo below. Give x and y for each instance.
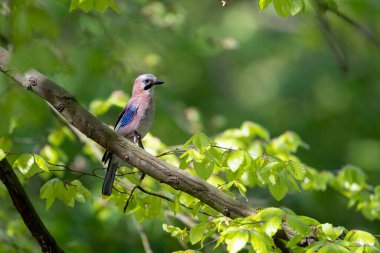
(133, 123)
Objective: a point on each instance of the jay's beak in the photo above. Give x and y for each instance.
(159, 82)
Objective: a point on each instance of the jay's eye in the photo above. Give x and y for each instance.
(147, 81)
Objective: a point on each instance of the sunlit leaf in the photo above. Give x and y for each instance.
(264, 4)
(277, 188)
(204, 169)
(51, 190)
(260, 243)
(201, 141)
(271, 219)
(27, 165)
(236, 160)
(300, 227)
(360, 237)
(251, 129)
(2, 154)
(297, 7)
(103, 5)
(197, 232)
(329, 232)
(333, 248)
(282, 7)
(40, 162)
(176, 232)
(236, 241)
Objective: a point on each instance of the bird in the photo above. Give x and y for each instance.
(133, 123)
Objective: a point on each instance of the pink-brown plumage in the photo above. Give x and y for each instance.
(135, 121)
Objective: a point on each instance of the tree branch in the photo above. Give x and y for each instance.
(26, 210)
(99, 132)
(89, 125)
(365, 31)
(336, 48)
(143, 236)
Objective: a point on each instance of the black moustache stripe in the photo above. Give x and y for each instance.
(148, 86)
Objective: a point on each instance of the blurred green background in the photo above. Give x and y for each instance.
(221, 66)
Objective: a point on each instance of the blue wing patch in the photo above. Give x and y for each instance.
(126, 117)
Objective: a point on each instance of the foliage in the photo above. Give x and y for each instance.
(234, 161)
(221, 66)
(88, 5)
(284, 8)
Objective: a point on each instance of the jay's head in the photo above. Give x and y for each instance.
(145, 83)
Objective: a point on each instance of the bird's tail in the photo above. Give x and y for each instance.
(110, 175)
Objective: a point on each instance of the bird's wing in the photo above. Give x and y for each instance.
(126, 116)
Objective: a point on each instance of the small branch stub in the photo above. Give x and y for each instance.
(30, 81)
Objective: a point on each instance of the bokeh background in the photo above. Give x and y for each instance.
(221, 66)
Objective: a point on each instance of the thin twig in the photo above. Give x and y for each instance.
(208, 244)
(365, 31)
(144, 238)
(173, 151)
(336, 48)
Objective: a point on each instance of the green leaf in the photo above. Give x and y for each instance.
(2, 154)
(187, 251)
(176, 232)
(314, 247)
(333, 248)
(264, 4)
(317, 180)
(204, 169)
(350, 180)
(289, 181)
(260, 243)
(201, 141)
(272, 220)
(102, 5)
(41, 163)
(51, 190)
(329, 232)
(195, 155)
(360, 237)
(282, 7)
(27, 165)
(86, 5)
(277, 188)
(188, 142)
(300, 227)
(242, 189)
(197, 232)
(5, 144)
(74, 4)
(236, 241)
(297, 169)
(251, 129)
(308, 220)
(82, 192)
(152, 207)
(286, 143)
(236, 160)
(297, 224)
(114, 6)
(99, 5)
(297, 7)
(68, 194)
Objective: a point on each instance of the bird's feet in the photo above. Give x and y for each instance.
(137, 139)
